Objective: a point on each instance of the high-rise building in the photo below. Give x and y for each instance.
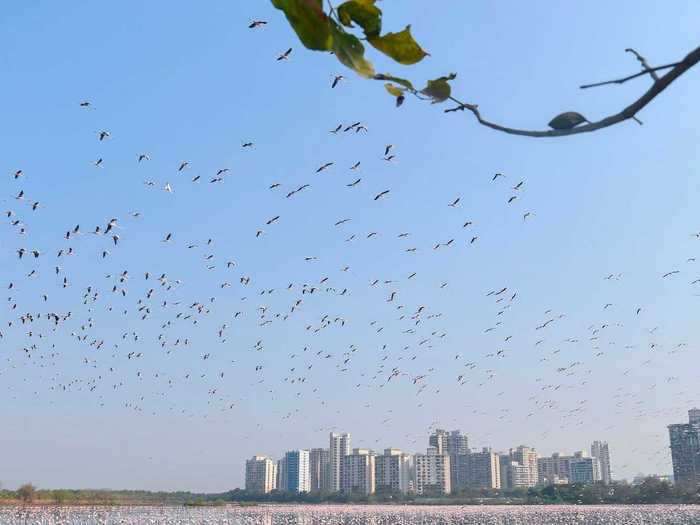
(358, 473)
(477, 470)
(338, 449)
(459, 472)
(554, 470)
(393, 471)
(519, 476)
(526, 457)
(685, 449)
(504, 463)
(694, 415)
(260, 474)
(457, 443)
(294, 475)
(601, 450)
(281, 482)
(433, 473)
(584, 469)
(453, 444)
(559, 469)
(319, 469)
(438, 440)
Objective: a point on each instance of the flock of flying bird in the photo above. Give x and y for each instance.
(120, 328)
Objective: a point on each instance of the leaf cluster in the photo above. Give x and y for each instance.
(342, 32)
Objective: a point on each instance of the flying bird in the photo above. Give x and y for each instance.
(336, 80)
(324, 166)
(381, 194)
(285, 55)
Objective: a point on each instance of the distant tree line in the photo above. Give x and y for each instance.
(29, 494)
(650, 491)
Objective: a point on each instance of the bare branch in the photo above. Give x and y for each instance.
(644, 63)
(625, 79)
(627, 113)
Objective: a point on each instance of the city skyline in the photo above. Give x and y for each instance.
(447, 466)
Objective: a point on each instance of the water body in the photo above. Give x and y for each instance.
(354, 515)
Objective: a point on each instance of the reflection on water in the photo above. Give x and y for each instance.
(353, 515)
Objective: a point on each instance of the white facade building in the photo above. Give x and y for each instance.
(260, 474)
(358, 472)
(433, 473)
(339, 447)
(393, 471)
(600, 450)
(526, 457)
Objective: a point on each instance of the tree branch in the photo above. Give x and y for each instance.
(644, 63)
(625, 79)
(627, 113)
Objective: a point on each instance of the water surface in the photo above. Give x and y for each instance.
(354, 515)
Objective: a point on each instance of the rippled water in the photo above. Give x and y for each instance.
(353, 515)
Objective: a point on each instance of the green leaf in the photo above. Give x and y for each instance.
(439, 89)
(567, 120)
(396, 80)
(399, 46)
(364, 13)
(350, 51)
(309, 21)
(394, 90)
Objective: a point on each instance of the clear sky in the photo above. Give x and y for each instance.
(188, 81)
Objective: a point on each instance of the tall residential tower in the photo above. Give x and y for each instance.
(685, 449)
(600, 450)
(339, 447)
(260, 474)
(294, 475)
(319, 469)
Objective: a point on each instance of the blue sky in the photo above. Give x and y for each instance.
(187, 81)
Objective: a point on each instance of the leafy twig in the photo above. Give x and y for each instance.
(627, 113)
